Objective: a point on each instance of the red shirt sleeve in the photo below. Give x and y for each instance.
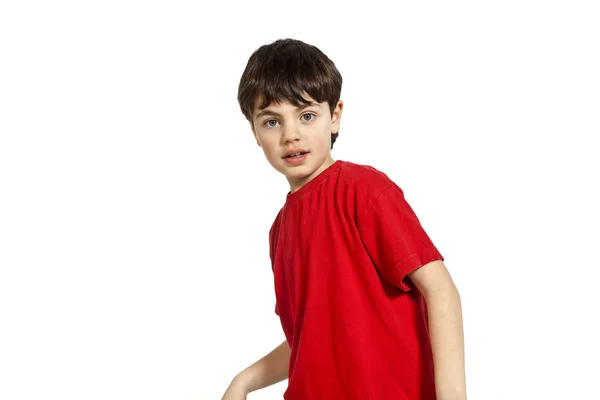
(395, 239)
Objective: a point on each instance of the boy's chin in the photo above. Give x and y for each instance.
(297, 173)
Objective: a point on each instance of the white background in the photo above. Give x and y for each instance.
(135, 206)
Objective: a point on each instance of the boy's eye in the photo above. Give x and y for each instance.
(308, 116)
(270, 123)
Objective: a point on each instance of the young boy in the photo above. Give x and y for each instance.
(367, 305)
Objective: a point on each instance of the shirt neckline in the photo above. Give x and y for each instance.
(294, 197)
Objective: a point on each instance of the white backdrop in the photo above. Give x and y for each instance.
(135, 206)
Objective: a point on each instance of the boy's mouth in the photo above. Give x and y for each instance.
(295, 154)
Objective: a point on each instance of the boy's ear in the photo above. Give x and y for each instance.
(254, 133)
(336, 117)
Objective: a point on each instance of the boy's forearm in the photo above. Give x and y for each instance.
(447, 343)
(267, 371)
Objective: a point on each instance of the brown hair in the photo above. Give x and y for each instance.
(285, 69)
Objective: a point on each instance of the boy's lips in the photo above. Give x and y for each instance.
(296, 160)
(294, 151)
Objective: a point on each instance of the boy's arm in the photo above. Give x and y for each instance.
(267, 371)
(445, 328)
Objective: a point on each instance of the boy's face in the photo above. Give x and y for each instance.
(283, 128)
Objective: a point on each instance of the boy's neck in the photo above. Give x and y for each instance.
(297, 184)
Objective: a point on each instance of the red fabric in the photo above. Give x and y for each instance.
(341, 248)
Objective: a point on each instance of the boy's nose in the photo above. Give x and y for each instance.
(290, 133)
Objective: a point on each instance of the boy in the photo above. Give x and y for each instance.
(367, 305)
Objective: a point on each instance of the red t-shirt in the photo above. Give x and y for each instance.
(341, 248)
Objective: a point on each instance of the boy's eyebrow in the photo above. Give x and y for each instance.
(268, 111)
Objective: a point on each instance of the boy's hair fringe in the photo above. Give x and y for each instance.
(282, 71)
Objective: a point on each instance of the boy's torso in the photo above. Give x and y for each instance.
(353, 335)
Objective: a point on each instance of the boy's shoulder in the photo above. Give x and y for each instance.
(359, 184)
(364, 179)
